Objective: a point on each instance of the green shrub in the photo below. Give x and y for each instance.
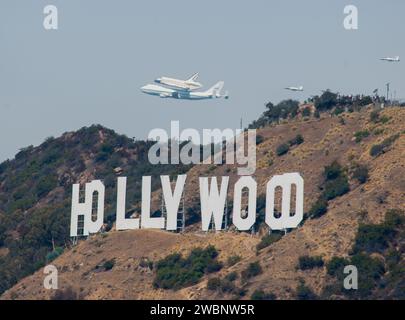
(109, 264)
(333, 171)
(373, 238)
(251, 271)
(54, 254)
(381, 148)
(297, 140)
(231, 276)
(335, 266)
(307, 262)
(214, 284)
(360, 173)
(268, 240)
(45, 185)
(336, 188)
(259, 139)
(376, 150)
(319, 208)
(261, 295)
(227, 286)
(360, 135)
(305, 293)
(282, 149)
(174, 271)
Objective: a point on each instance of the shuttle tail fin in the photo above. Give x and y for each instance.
(193, 78)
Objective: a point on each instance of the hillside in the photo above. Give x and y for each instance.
(354, 171)
(36, 186)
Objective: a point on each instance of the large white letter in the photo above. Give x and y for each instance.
(351, 20)
(247, 222)
(172, 200)
(123, 223)
(90, 225)
(213, 202)
(85, 208)
(285, 220)
(78, 209)
(51, 20)
(146, 221)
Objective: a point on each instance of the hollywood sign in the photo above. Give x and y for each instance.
(212, 199)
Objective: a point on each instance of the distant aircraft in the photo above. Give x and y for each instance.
(213, 92)
(396, 59)
(300, 88)
(176, 84)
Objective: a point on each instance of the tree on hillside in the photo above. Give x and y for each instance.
(326, 101)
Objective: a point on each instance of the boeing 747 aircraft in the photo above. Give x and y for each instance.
(176, 84)
(213, 92)
(300, 88)
(396, 59)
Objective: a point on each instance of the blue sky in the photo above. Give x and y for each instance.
(90, 69)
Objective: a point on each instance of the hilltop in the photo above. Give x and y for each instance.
(352, 162)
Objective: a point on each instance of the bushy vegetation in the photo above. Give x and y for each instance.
(303, 292)
(326, 101)
(297, 140)
(360, 135)
(282, 149)
(175, 272)
(66, 294)
(378, 276)
(109, 264)
(319, 208)
(360, 173)
(225, 286)
(252, 270)
(268, 239)
(383, 147)
(54, 254)
(274, 113)
(335, 185)
(261, 295)
(307, 262)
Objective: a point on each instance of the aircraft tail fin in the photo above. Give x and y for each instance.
(193, 78)
(216, 89)
(397, 58)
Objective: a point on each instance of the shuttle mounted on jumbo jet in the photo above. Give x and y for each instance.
(176, 84)
(212, 93)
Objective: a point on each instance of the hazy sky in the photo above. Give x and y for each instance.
(90, 70)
